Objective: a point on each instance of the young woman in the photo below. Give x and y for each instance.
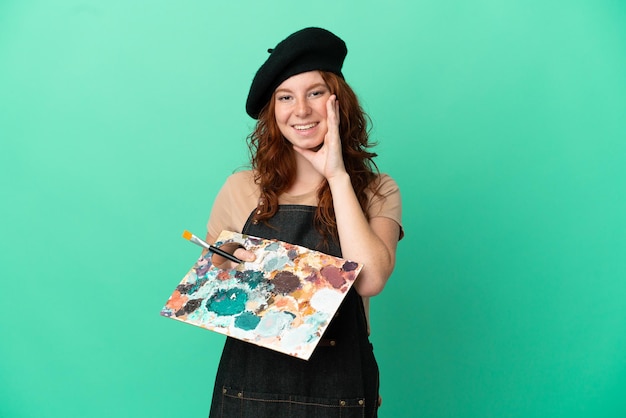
(313, 183)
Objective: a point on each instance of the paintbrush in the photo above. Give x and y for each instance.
(191, 237)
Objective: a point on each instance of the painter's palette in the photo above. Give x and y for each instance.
(284, 300)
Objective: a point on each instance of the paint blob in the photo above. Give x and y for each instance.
(285, 282)
(276, 263)
(247, 321)
(189, 307)
(251, 277)
(326, 300)
(334, 276)
(273, 323)
(228, 302)
(350, 266)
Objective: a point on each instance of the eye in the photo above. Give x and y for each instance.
(283, 98)
(317, 93)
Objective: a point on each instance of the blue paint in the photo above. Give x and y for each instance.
(247, 321)
(318, 319)
(228, 302)
(190, 288)
(273, 323)
(251, 277)
(276, 263)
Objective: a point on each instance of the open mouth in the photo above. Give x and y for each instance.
(305, 127)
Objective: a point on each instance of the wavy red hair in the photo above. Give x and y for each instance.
(273, 161)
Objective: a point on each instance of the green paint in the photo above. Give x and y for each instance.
(247, 321)
(228, 302)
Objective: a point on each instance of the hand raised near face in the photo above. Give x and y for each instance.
(328, 159)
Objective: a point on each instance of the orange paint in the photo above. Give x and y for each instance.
(176, 301)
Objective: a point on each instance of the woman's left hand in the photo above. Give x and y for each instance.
(328, 159)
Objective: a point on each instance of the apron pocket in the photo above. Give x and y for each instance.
(244, 404)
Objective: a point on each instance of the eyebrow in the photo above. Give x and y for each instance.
(311, 87)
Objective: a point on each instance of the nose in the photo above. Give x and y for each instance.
(302, 108)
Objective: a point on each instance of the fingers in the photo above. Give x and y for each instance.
(235, 249)
(332, 122)
(244, 255)
(332, 111)
(327, 158)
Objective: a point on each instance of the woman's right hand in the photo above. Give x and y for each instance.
(233, 248)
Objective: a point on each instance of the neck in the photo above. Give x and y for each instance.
(307, 177)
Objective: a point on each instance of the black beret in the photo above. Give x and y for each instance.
(308, 49)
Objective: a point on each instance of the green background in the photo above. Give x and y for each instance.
(502, 121)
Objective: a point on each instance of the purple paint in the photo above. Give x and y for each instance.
(349, 266)
(333, 275)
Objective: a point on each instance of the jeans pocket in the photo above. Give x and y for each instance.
(245, 404)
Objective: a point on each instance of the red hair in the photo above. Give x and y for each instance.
(272, 157)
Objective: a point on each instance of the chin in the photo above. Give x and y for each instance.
(308, 144)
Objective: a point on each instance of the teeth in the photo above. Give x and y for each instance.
(304, 127)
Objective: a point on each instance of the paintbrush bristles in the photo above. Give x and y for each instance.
(187, 235)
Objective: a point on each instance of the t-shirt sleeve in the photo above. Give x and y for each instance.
(387, 202)
(233, 204)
